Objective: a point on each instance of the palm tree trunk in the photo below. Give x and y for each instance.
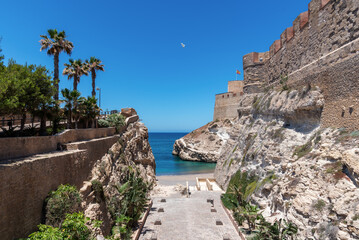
(56, 76)
(93, 75)
(75, 82)
(69, 118)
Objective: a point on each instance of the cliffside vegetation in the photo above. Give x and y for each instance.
(238, 199)
(65, 218)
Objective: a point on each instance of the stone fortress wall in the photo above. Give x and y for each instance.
(320, 49)
(226, 104)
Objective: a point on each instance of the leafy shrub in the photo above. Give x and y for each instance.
(46, 232)
(121, 227)
(66, 199)
(103, 123)
(97, 187)
(278, 230)
(116, 120)
(319, 205)
(133, 196)
(73, 228)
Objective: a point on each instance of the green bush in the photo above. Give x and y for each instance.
(73, 228)
(97, 187)
(280, 230)
(46, 232)
(103, 123)
(303, 150)
(121, 227)
(66, 199)
(116, 120)
(319, 205)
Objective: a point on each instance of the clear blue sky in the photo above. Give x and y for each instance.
(171, 87)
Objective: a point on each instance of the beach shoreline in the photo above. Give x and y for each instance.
(171, 180)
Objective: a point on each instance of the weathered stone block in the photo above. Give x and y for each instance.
(304, 19)
(277, 45)
(324, 3)
(290, 33)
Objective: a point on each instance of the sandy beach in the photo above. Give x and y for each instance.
(172, 185)
(170, 180)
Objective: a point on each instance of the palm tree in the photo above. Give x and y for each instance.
(88, 109)
(75, 70)
(56, 43)
(94, 64)
(70, 99)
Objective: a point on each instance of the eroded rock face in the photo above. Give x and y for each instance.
(131, 150)
(316, 169)
(205, 144)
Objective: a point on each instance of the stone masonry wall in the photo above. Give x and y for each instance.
(325, 27)
(26, 183)
(226, 105)
(27, 146)
(320, 49)
(235, 86)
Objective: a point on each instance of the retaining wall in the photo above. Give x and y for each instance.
(27, 182)
(17, 147)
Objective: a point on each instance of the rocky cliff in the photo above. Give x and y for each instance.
(132, 151)
(278, 133)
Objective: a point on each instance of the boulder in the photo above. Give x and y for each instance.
(132, 119)
(128, 112)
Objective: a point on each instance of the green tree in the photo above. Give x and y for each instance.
(94, 65)
(25, 89)
(55, 43)
(1, 58)
(89, 109)
(75, 70)
(70, 98)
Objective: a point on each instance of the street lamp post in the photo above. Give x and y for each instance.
(99, 89)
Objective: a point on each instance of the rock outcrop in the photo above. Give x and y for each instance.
(316, 169)
(132, 150)
(204, 144)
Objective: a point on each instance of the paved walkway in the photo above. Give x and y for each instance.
(189, 219)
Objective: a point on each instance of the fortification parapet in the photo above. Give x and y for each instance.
(254, 70)
(255, 58)
(235, 86)
(317, 50)
(316, 32)
(321, 49)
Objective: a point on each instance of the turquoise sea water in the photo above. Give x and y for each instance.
(166, 163)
